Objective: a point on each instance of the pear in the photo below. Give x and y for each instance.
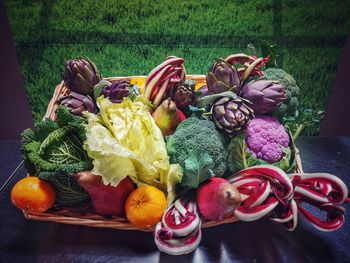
(167, 117)
(217, 199)
(107, 200)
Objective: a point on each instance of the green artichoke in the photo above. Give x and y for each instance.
(81, 75)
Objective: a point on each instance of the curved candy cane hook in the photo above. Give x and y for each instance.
(268, 191)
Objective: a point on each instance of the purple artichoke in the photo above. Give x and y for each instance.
(116, 91)
(231, 115)
(223, 77)
(266, 95)
(81, 75)
(77, 103)
(266, 138)
(183, 96)
(204, 91)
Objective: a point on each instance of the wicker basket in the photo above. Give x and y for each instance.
(86, 217)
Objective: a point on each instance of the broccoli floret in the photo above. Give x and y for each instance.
(289, 106)
(198, 135)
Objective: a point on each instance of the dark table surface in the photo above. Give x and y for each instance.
(260, 241)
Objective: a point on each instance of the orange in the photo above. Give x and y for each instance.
(145, 206)
(33, 194)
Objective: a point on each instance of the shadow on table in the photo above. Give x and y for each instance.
(265, 241)
(261, 241)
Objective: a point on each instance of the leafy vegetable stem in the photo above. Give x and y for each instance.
(68, 154)
(298, 131)
(245, 164)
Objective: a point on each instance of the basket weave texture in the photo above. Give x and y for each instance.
(76, 216)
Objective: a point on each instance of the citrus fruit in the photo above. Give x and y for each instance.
(145, 206)
(33, 194)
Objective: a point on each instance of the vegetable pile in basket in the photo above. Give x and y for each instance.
(174, 152)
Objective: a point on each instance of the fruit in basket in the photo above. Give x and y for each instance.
(266, 141)
(107, 200)
(217, 199)
(162, 80)
(197, 135)
(231, 115)
(265, 95)
(54, 151)
(77, 103)
(222, 77)
(33, 194)
(183, 95)
(145, 206)
(289, 106)
(81, 75)
(117, 91)
(167, 117)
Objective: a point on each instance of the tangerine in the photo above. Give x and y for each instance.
(145, 206)
(33, 194)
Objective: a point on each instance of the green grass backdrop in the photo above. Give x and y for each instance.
(127, 37)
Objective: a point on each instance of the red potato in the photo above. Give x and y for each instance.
(107, 200)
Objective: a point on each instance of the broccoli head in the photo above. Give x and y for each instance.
(196, 135)
(289, 106)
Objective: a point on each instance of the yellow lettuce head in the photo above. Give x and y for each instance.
(123, 140)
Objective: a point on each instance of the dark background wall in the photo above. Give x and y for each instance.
(15, 112)
(131, 37)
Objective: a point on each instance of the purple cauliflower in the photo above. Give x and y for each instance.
(266, 138)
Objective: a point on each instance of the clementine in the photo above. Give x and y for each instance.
(33, 194)
(145, 206)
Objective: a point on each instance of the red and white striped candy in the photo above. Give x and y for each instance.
(164, 77)
(268, 191)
